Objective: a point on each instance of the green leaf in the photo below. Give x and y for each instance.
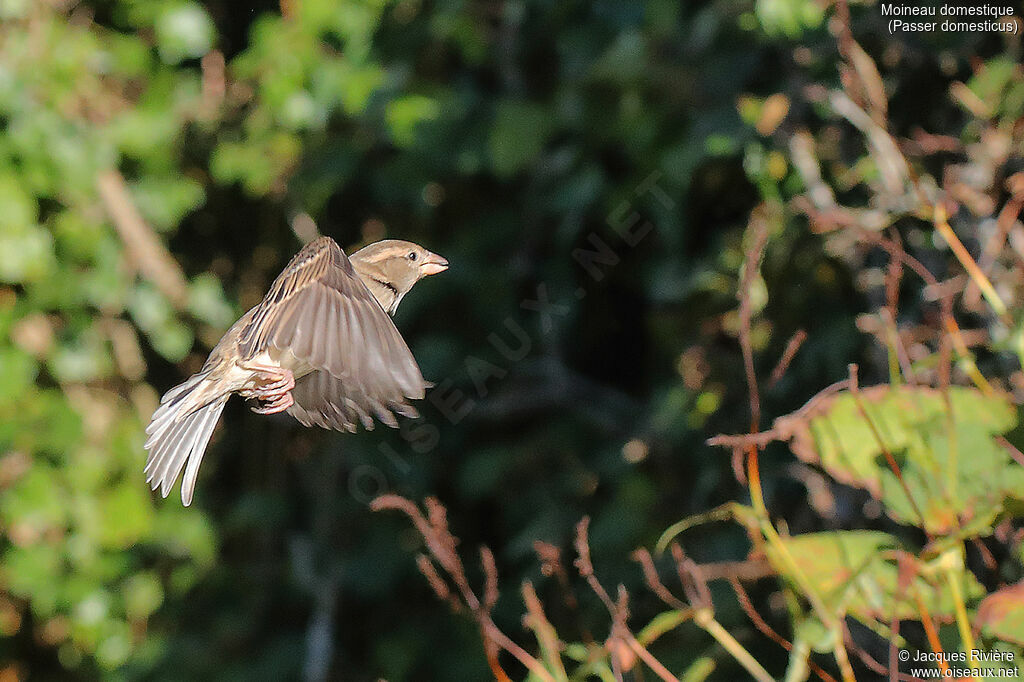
(990, 80)
(14, 9)
(126, 515)
(164, 201)
(788, 17)
(855, 572)
(26, 255)
(82, 360)
(116, 646)
(184, 31)
(660, 624)
(154, 315)
(625, 60)
(31, 572)
(405, 114)
(185, 534)
(958, 475)
(257, 163)
(518, 135)
(17, 373)
(816, 635)
(207, 302)
(1001, 614)
(143, 594)
(20, 208)
(34, 503)
(352, 87)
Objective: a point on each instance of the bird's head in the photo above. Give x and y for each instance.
(401, 264)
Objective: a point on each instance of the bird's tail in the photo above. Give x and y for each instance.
(178, 435)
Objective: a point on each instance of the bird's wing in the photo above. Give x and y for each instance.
(323, 400)
(319, 310)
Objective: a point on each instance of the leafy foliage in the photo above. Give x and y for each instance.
(949, 461)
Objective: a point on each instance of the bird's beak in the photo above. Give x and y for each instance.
(433, 264)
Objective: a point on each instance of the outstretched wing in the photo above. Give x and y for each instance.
(326, 401)
(320, 311)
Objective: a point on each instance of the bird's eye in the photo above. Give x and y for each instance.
(412, 255)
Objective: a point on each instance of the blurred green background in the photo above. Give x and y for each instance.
(505, 135)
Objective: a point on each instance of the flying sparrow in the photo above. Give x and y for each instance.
(320, 346)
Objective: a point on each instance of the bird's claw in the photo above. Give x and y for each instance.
(278, 404)
(270, 384)
(283, 384)
(272, 388)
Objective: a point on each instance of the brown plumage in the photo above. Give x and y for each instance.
(320, 345)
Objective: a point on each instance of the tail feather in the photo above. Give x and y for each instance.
(169, 412)
(203, 433)
(172, 450)
(178, 436)
(179, 390)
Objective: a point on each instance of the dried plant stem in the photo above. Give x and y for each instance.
(757, 232)
(830, 620)
(930, 632)
(758, 229)
(617, 609)
(792, 346)
(877, 435)
(1004, 224)
(502, 640)
(535, 619)
(967, 358)
(648, 658)
(955, 337)
(900, 367)
(146, 253)
(767, 631)
(874, 665)
(654, 582)
(941, 223)
(962, 624)
(706, 619)
(442, 547)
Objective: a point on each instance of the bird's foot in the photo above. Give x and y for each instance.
(270, 382)
(272, 388)
(278, 404)
(282, 384)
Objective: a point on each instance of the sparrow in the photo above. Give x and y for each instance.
(320, 346)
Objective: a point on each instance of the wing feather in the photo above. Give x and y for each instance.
(320, 310)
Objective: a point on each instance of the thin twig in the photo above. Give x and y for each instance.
(869, 661)
(618, 610)
(551, 564)
(792, 346)
(643, 557)
(757, 232)
(961, 253)
(146, 253)
(442, 546)
(931, 633)
(877, 435)
(768, 631)
(436, 582)
(535, 619)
